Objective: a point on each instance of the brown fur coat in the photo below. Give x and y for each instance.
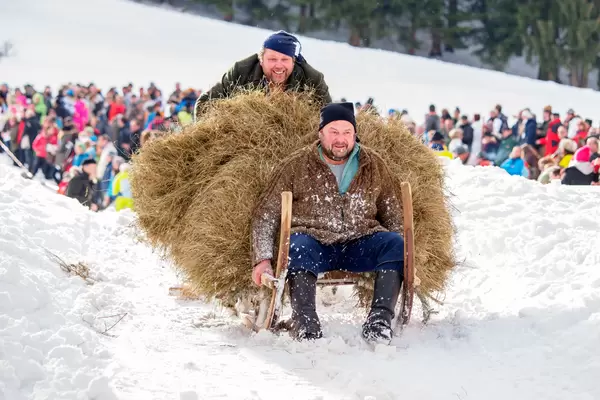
(318, 209)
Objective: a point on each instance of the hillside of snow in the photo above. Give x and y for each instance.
(521, 318)
(58, 42)
(516, 65)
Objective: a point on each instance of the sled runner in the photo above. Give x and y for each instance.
(277, 282)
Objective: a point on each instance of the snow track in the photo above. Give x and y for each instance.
(521, 318)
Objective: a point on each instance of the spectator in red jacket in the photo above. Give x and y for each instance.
(45, 146)
(553, 136)
(583, 128)
(550, 141)
(116, 107)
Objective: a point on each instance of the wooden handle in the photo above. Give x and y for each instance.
(268, 280)
(409, 238)
(282, 262)
(284, 236)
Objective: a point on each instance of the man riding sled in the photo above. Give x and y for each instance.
(346, 216)
(278, 65)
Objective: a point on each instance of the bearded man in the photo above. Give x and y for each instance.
(278, 64)
(346, 216)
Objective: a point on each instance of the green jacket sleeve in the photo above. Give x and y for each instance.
(316, 79)
(323, 90)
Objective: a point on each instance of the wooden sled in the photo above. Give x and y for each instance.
(277, 283)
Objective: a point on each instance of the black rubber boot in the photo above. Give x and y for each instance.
(303, 294)
(378, 325)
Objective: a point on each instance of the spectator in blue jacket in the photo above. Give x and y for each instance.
(515, 164)
(530, 132)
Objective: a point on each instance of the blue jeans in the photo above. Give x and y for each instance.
(379, 251)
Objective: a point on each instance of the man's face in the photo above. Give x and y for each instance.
(102, 142)
(337, 140)
(449, 124)
(516, 153)
(562, 132)
(276, 66)
(133, 125)
(90, 169)
(593, 145)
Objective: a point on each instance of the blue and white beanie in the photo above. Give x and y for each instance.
(284, 43)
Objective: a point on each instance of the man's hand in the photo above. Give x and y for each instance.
(259, 269)
(94, 207)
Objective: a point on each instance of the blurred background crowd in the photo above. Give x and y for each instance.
(82, 137)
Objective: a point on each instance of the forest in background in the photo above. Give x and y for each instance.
(552, 35)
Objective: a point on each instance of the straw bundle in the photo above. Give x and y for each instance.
(194, 191)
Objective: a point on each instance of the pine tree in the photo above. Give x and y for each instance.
(497, 36)
(539, 28)
(225, 7)
(356, 15)
(6, 49)
(457, 11)
(579, 33)
(401, 19)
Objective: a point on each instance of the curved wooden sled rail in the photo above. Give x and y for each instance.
(277, 283)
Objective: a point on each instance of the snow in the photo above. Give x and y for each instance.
(118, 46)
(516, 65)
(521, 317)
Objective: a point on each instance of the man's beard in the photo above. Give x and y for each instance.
(329, 154)
(278, 79)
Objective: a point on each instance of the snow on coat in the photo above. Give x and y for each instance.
(369, 206)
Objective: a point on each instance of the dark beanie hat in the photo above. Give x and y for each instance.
(437, 136)
(337, 112)
(88, 161)
(284, 43)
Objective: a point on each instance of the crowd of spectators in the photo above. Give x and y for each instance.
(83, 138)
(559, 148)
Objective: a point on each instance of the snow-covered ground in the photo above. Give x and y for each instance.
(522, 313)
(521, 318)
(114, 42)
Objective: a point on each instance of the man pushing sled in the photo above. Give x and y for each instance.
(346, 217)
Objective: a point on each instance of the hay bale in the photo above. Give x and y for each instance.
(194, 191)
(410, 161)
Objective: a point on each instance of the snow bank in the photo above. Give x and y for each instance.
(50, 322)
(117, 46)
